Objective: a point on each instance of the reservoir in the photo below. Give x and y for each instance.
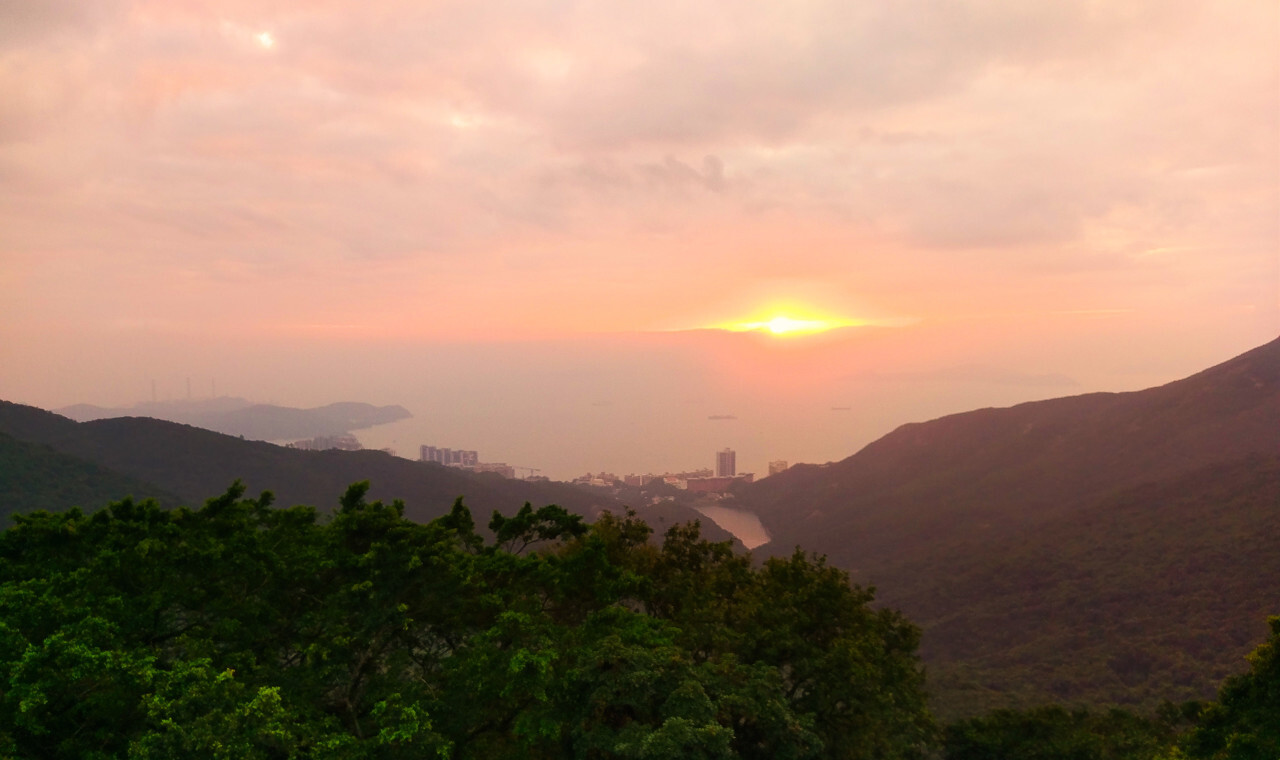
(744, 526)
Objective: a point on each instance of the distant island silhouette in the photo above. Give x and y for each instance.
(262, 422)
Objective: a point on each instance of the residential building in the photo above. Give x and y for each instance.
(448, 457)
(717, 484)
(726, 463)
(325, 442)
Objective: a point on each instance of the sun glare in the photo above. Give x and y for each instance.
(265, 39)
(786, 325)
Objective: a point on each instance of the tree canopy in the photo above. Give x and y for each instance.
(1244, 724)
(242, 630)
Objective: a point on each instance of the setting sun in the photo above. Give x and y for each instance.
(785, 325)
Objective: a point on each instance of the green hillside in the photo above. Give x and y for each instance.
(1156, 594)
(191, 462)
(1105, 548)
(34, 477)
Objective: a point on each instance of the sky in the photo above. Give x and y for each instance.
(524, 221)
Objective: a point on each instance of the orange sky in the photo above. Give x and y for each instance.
(176, 195)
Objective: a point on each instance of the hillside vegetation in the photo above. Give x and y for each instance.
(34, 476)
(187, 463)
(242, 630)
(1156, 594)
(248, 631)
(1094, 551)
(1105, 548)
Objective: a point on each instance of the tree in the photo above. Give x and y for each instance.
(244, 630)
(1244, 724)
(1054, 733)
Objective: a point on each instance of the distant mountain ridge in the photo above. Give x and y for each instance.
(259, 422)
(1107, 547)
(939, 516)
(1022, 463)
(184, 464)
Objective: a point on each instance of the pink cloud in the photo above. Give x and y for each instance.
(910, 160)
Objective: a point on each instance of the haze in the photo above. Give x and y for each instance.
(519, 220)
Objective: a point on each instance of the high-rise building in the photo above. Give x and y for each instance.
(447, 456)
(726, 464)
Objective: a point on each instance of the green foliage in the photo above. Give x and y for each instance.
(197, 712)
(1155, 595)
(1244, 724)
(35, 476)
(240, 630)
(1053, 733)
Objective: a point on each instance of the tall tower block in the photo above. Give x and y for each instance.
(726, 463)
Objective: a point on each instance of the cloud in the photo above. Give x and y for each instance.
(28, 23)
(920, 156)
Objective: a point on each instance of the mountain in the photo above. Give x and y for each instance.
(188, 465)
(993, 470)
(1105, 547)
(261, 422)
(1154, 594)
(34, 476)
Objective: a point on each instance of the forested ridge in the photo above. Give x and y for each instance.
(1108, 549)
(180, 464)
(242, 630)
(1103, 548)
